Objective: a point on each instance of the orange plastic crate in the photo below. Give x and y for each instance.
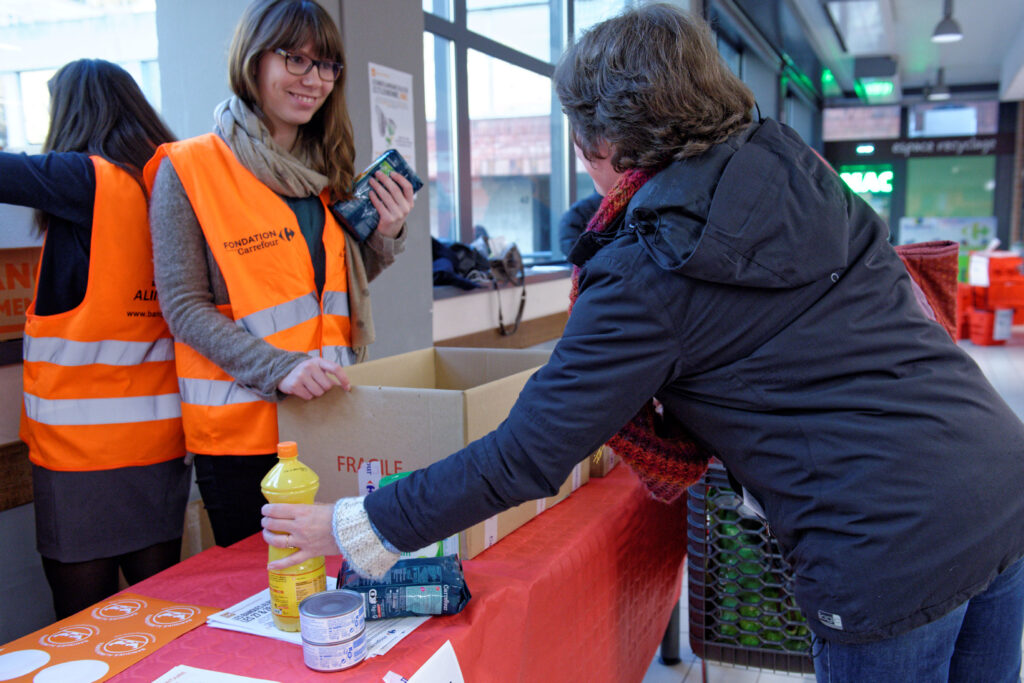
(979, 299)
(1005, 268)
(963, 309)
(1005, 293)
(963, 296)
(982, 327)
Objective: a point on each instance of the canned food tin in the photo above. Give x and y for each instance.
(332, 616)
(335, 656)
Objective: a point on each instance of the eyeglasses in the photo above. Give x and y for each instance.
(300, 65)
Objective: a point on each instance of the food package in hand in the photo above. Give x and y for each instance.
(357, 214)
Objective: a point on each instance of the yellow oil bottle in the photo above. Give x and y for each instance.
(291, 481)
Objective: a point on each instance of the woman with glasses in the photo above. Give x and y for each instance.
(265, 293)
(101, 413)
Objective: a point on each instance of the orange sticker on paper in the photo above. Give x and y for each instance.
(99, 641)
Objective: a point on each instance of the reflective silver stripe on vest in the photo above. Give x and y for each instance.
(280, 317)
(213, 392)
(102, 411)
(342, 355)
(336, 303)
(70, 353)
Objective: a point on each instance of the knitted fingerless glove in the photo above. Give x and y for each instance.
(359, 542)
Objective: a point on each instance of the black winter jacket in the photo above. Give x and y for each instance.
(760, 301)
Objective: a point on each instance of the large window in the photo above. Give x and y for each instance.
(499, 156)
(763, 81)
(586, 13)
(500, 152)
(802, 117)
(439, 68)
(37, 38)
(510, 144)
(523, 25)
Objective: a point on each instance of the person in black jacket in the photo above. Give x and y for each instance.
(732, 276)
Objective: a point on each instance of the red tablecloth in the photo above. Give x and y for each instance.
(581, 593)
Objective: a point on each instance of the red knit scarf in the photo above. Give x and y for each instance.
(666, 465)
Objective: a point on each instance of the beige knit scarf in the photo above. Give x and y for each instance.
(286, 173)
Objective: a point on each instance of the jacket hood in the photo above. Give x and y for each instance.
(759, 210)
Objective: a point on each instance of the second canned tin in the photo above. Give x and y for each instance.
(335, 656)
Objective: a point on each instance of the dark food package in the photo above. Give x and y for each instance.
(357, 214)
(413, 587)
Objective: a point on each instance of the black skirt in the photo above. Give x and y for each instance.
(83, 516)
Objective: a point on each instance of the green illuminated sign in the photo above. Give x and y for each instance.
(878, 88)
(875, 179)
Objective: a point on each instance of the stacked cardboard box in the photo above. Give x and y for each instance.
(602, 461)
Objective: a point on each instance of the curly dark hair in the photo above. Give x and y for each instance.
(651, 84)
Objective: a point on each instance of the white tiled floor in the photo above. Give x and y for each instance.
(1004, 367)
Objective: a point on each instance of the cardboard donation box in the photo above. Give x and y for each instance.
(408, 411)
(18, 268)
(482, 536)
(602, 461)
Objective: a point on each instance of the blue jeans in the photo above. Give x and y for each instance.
(978, 642)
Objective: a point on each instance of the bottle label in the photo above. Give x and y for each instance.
(287, 590)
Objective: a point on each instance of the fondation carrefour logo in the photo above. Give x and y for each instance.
(172, 616)
(126, 644)
(70, 635)
(119, 609)
(256, 241)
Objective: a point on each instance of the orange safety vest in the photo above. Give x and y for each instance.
(100, 390)
(256, 241)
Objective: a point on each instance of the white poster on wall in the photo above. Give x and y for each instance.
(391, 112)
(974, 232)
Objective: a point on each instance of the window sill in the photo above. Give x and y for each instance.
(541, 273)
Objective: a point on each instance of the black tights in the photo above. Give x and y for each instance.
(77, 585)
(230, 486)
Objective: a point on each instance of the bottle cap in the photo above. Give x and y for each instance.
(287, 449)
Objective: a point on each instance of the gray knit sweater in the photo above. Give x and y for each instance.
(191, 286)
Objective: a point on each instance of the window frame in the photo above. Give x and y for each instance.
(563, 161)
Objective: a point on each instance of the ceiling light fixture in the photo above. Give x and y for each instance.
(941, 90)
(947, 30)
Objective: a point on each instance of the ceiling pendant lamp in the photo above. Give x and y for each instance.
(947, 30)
(941, 90)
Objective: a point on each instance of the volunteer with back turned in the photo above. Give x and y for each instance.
(101, 413)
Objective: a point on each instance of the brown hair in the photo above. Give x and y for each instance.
(651, 84)
(268, 25)
(96, 107)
